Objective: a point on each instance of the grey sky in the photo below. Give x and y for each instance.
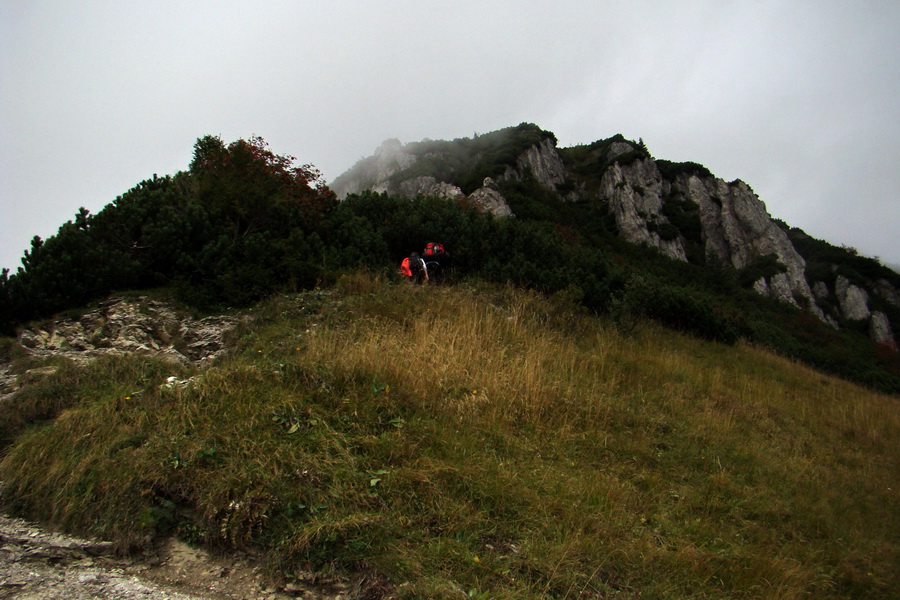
(798, 99)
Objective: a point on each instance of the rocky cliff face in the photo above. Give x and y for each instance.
(634, 193)
(735, 228)
(738, 230)
(542, 162)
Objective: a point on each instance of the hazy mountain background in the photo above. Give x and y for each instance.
(798, 99)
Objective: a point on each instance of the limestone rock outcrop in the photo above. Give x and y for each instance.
(140, 325)
(541, 161)
(634, 193)
(733, 227)
(424, 185)
(880, 329)
(853, 300)
(389, 158)
(487, 199)
(738, 230)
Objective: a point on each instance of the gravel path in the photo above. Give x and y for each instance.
(39, 565)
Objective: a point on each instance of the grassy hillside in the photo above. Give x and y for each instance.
(479, 442)
(243, 223)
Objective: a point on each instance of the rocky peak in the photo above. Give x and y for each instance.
(617, 149)
(543, 162)
(634, 193)
(373, 173)
(382, 172)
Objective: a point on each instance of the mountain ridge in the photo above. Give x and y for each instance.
(625, 235)
(676, 208)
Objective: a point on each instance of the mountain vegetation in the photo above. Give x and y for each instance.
(568, 415)
(244, 222)
(475, 441)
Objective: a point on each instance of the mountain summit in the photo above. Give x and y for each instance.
(679, 209)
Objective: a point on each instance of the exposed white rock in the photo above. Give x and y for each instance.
(737, 230)
(781, 287)
(617, 149)
(487, 199)
(820, 290)
(634, 193)
(761, 286)
(543, 162)
(140, 325)
(853, 300)
(880, 329)
(425, 186)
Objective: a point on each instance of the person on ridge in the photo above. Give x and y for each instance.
(436, 259)
(414, 267)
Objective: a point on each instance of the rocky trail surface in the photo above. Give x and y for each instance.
(39, 565)
(36, 564)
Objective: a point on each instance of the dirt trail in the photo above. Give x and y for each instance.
(39, 565)
(36, 564)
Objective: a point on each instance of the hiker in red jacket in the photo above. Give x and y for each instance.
(414, 267)
(436, 259)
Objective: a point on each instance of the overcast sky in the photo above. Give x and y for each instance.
(797, 98)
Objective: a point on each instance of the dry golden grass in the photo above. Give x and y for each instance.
(491, 443)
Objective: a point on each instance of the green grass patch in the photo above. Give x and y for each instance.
(483, 443)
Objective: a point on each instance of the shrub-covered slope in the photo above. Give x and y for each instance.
(243, 222)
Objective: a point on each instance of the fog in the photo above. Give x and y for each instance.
(798, 99)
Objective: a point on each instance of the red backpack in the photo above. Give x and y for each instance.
(434, 250)
(404, 267)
